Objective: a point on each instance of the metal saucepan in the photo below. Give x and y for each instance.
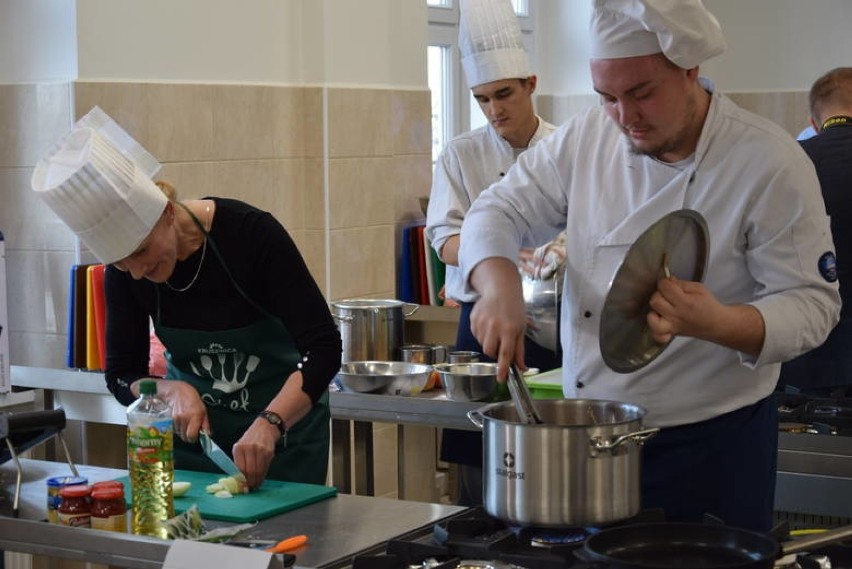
(370, 329)
(668, 545)
(581, 467)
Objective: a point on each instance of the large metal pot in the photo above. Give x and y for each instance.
(370, 329)
(579, 468)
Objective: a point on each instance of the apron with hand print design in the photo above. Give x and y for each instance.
(237, 372)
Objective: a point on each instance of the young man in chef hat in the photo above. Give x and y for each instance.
(662, 140)
(497, 69)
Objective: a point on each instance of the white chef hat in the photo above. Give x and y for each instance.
(683, 30)
(490, 42)
(103, 196)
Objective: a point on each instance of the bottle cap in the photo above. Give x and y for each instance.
(148, 387)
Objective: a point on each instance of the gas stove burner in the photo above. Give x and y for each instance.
(559, 537)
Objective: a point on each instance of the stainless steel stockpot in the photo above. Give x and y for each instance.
(371, 329)
(579, 468)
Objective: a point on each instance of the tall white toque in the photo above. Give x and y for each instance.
(490, 42)
(104, 196)
(683, 30)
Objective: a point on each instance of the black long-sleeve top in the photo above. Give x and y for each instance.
(266, 263)
(831, 152)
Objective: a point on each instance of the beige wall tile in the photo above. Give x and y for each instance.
(361, 191)
(288, 122)
(180, 122)
(244, 119)
(362, 262)
(38, 349)
(26, 222)
(32, 119)
(191, 179)
(412, 180)
(290, 183)
(126, 103)
(359, 122)
(312, 121)
(787, 109)
(271, 185)
(43, 307)
(314, 194)
(411, 122)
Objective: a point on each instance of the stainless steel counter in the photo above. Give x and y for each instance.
(337, 528)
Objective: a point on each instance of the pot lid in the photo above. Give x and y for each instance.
(369, 303)
(677, 243)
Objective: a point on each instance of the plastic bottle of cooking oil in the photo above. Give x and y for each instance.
(150, 460)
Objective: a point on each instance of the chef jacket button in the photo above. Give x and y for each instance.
(580, 385)
(587, 314)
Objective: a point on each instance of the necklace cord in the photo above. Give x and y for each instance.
(203, 250)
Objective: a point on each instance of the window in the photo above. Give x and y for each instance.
(454, 109)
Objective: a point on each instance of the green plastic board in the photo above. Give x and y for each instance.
(272, 498)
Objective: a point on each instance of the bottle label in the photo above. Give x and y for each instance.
(150, 443)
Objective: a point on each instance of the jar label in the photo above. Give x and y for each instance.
(110, 523)
(75, 520)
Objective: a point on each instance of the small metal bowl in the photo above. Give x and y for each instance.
(471, 382)
(385, 378)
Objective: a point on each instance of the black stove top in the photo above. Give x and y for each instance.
(473, 535)
(816, 415)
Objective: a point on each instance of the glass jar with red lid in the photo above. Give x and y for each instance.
(109, 510)
(75, 506)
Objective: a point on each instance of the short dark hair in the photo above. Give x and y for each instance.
(834, 88)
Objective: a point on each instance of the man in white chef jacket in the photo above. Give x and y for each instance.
(661, 140)
(497, 69)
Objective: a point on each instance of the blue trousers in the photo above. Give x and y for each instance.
(724, 466)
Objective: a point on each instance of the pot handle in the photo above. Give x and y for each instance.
(413, 310)
(603, 444)
(476, 418)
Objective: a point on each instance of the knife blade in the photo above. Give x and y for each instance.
(217, 455)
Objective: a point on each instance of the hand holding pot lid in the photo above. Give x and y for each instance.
(676, 245)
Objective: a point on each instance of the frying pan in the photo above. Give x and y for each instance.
(670, 545)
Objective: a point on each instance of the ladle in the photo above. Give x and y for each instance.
(521, 397)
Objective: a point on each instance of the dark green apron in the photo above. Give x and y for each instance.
(237, 372)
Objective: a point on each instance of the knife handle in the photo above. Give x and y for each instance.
(287, 544)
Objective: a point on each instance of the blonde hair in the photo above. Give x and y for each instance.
(169, 190)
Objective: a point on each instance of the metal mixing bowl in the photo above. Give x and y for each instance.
(386, 378)
(471, 382)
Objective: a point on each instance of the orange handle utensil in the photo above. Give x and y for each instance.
(287, 544)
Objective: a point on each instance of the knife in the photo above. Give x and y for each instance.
(217, 455)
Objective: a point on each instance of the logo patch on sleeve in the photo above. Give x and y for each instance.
(828, 266)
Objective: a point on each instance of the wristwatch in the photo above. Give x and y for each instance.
(275, 419)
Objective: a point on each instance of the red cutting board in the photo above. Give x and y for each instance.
(272, 498)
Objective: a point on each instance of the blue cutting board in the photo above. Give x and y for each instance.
(273, 497)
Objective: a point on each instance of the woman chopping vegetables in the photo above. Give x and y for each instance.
(250, 343)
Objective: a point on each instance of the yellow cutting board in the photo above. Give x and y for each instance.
(272, 498)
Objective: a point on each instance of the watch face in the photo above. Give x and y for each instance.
(273, 418)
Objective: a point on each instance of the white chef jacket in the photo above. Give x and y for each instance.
(768, 229)
(468, 165)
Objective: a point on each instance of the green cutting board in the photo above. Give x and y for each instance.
(273, 497)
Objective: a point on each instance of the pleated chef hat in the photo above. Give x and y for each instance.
(103, 196)
(683, 30)
(490, 42)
